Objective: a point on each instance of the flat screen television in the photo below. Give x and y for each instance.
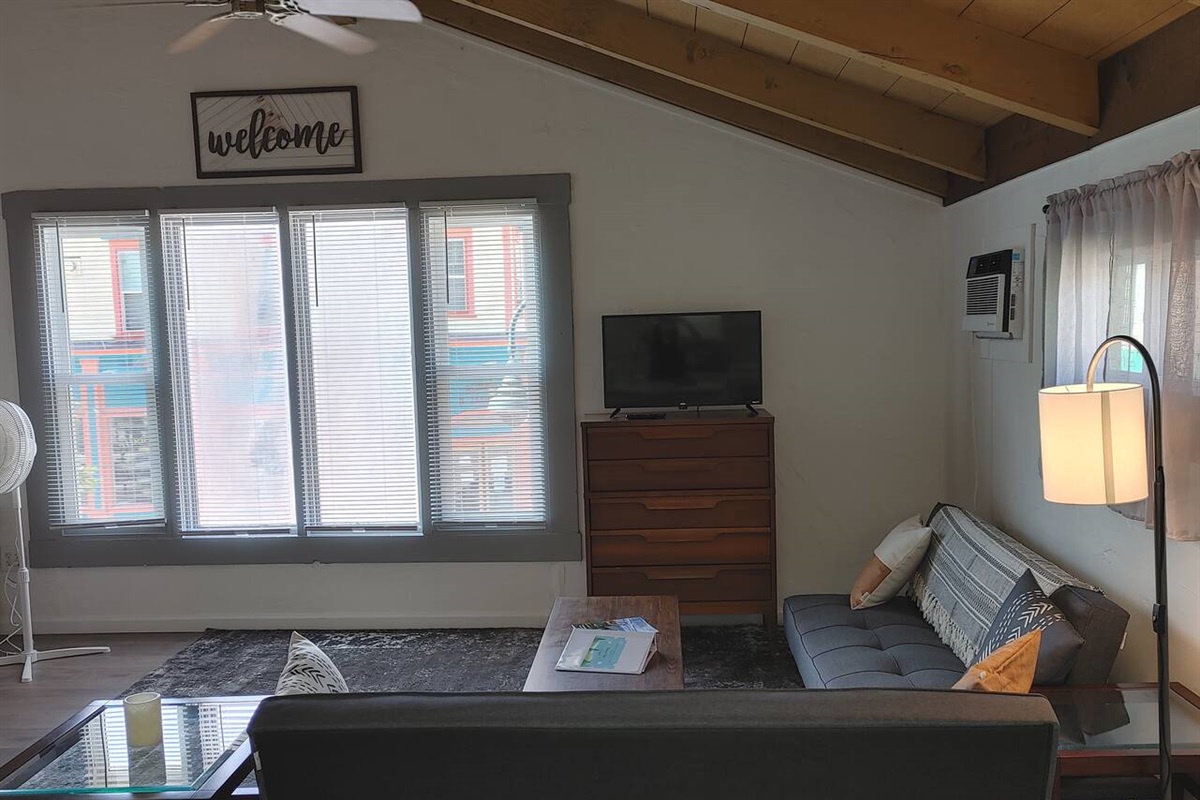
(680, 360)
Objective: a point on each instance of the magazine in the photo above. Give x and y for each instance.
(606, 650)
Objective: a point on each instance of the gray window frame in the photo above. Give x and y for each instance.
(162, 543)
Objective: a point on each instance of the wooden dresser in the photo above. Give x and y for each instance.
(683, 506)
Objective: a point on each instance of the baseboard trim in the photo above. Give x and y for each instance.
(483, 619)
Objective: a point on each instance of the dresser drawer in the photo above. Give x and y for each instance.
(698, 511)
(696, 546)
(665, 474)
(689, 584)
(678, 441)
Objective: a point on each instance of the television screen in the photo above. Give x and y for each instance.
(705, 359)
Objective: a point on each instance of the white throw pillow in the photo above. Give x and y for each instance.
(309, 671)
(894, 562)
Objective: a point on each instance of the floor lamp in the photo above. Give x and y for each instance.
(17, 449)
(1094, 453)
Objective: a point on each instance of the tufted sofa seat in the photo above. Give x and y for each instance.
(890, 646)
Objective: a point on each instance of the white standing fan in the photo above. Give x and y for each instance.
(17, 449)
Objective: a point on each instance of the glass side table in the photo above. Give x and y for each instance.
(1109, 733)
(204, 754)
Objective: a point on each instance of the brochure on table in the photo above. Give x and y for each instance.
(621, 646)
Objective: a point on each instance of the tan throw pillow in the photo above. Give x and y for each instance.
(895, 560)
(1008, 669)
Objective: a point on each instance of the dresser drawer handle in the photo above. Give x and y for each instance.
(681, 432)
(680, 503)
(697, 536)
(681, 574)
(680, 466)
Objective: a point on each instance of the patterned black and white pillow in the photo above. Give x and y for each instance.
(1028, 609)
(309, 671)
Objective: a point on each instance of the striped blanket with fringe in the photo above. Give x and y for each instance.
(967, 573)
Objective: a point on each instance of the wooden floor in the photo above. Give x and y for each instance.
(60, 688)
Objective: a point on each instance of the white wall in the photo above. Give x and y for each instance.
(999, 395)
(670, 212)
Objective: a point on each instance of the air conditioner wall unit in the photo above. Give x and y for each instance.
(994, 299)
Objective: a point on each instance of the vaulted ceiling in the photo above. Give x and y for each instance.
(915, 91)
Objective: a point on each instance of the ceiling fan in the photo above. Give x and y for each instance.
(305, 17)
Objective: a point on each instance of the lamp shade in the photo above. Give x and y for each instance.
(1093, 443)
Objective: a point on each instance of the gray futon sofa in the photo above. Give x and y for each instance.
(894, 646)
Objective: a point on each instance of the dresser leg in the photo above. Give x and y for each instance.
(769, 620)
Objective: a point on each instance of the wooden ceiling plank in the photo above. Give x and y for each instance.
(868, 76)
(818, 60)
(919, 94)
(692, 98)
(953, 53)
(959, 106)
(1086, 27)
(1146, 28)
(705, 61)
(674, 11)
(1017, 17)
(769, 43)
(721, 26)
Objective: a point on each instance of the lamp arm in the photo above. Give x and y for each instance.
(1159, 615)
(1155, 391)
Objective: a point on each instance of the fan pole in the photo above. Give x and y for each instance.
(29, 655)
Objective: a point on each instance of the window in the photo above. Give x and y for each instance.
(297, 380)
(353, 309)
(98, 469)
(1121, 258)
(229, 371)
(484, 374)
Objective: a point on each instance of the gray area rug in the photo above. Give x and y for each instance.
(225, 662)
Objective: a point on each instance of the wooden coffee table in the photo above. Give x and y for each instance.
(665, 670)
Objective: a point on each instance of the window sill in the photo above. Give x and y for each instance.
(150, 550)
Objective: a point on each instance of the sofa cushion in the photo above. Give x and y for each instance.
(887, 646)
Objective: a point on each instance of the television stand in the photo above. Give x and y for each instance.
(614, 413)
(753, 411)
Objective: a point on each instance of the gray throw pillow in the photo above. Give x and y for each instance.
(1028, 609)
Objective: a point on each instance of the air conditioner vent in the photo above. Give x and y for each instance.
(981, 294)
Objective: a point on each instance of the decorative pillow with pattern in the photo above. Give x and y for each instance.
(309, 671)
(1027, 609)
(1009, 669)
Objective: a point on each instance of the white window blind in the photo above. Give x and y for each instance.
(351, 281)
(98, 376)
(484, 365)
(229, 371)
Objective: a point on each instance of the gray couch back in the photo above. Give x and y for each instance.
(1001, 560)
(832, 745)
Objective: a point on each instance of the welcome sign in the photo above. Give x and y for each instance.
(276, 132)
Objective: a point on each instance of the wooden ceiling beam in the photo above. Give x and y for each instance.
(692, 98)
(706, 62)
(952, 53)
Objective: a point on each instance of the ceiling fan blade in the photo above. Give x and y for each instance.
(395, 10)
(199, 34)
(326, 33)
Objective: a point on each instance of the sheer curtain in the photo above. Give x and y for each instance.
(1125, 255)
